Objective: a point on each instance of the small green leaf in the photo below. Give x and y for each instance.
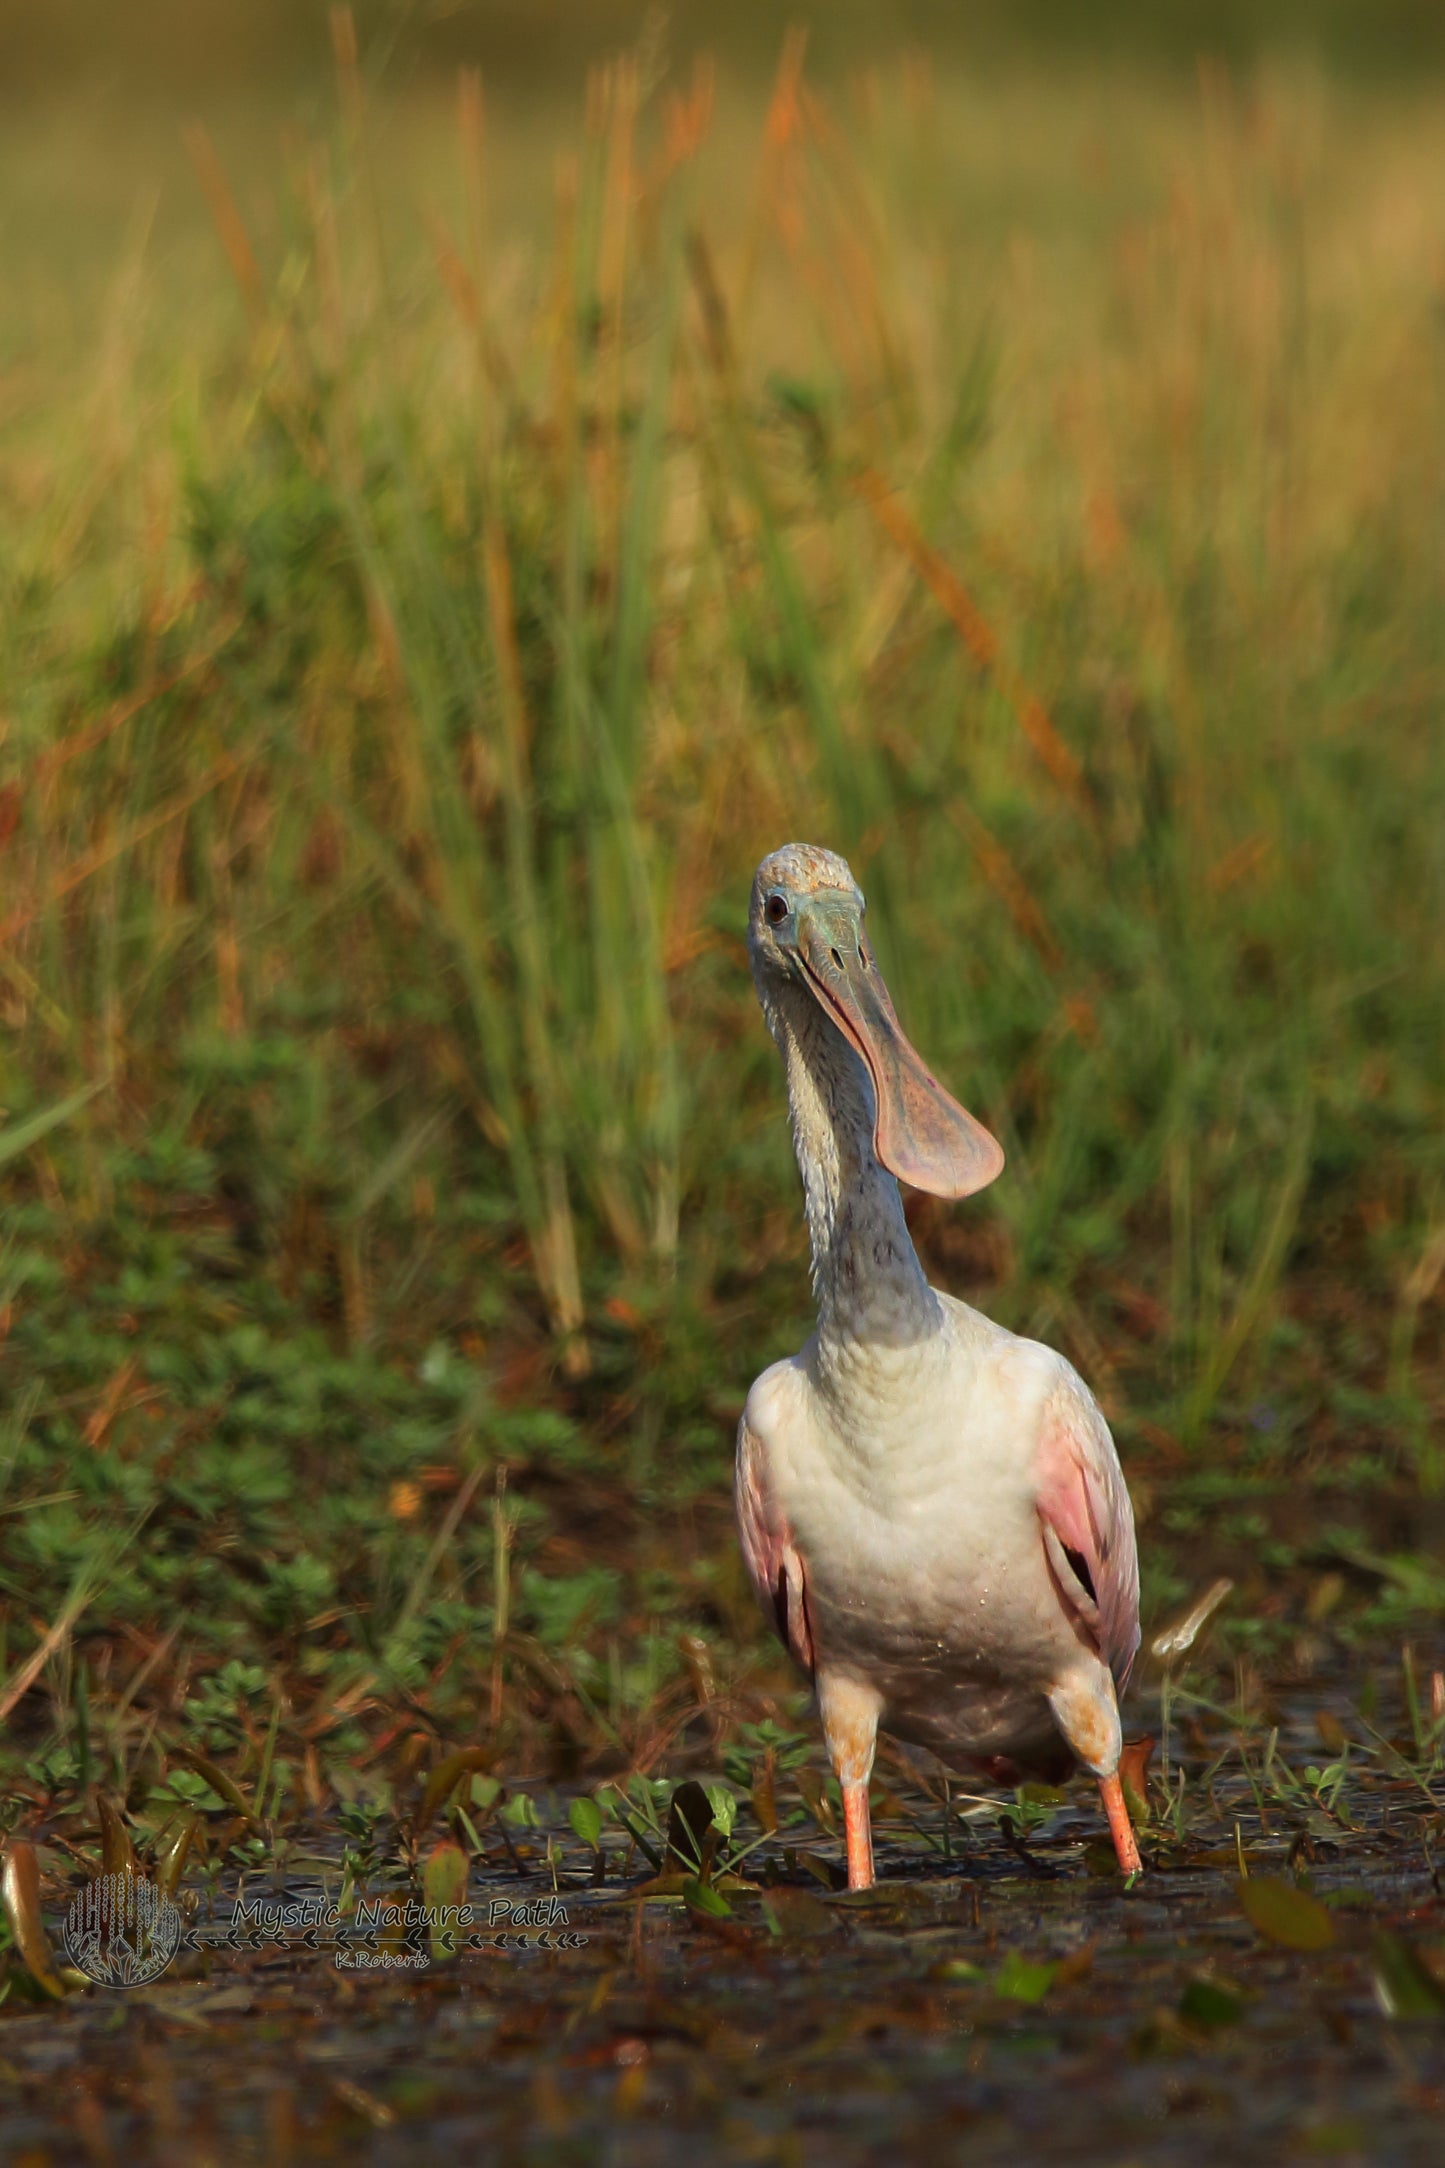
(1284, 1914)
(585, 1817)
(702, 1897)
(445, 1778)
(224, 1786)
(1208, 2005)
(724, 1807)
(520, 1812)
(183, 1787)
(1042, 1795)
(1021, 1979)
(1405, 1987)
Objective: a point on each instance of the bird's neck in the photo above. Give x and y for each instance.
(871, 1291)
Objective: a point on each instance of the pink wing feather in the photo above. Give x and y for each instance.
(774, 1567)
(1088, 1524)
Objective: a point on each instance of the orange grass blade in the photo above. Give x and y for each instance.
(978, 636)
(226, 218)
(91, 862)
(778, 134)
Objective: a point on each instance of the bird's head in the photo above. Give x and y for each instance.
(805, 931)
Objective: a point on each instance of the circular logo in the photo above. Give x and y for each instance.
(121, 1931)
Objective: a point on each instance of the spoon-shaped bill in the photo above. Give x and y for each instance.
(920, 1134)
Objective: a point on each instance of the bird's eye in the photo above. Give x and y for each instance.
(777, 908)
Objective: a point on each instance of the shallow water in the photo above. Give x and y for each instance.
(1008, 2001)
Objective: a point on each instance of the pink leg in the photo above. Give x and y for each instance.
(850, 1712)
(1086, 1710)
(858, 1830)
(1121, 1829)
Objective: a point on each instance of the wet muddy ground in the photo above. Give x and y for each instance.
(1272, 1989)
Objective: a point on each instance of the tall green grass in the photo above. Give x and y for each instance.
(1030, 490)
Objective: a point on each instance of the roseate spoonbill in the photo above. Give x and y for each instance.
(932, 1510)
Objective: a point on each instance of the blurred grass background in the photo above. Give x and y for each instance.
(455, 523)
(210, 42)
